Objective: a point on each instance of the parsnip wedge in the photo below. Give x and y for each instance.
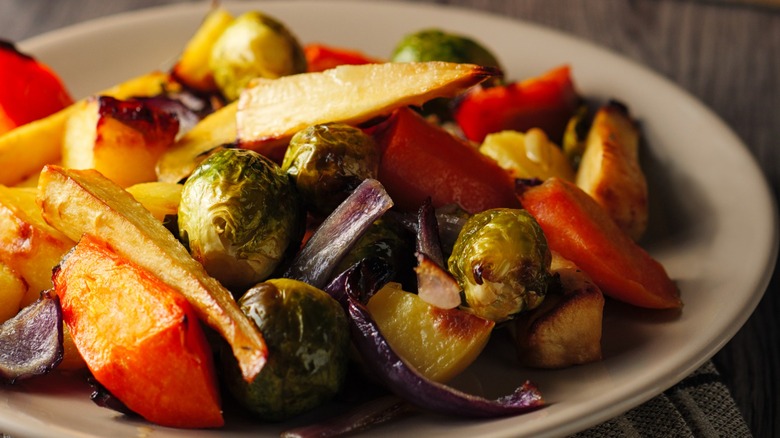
(610, 172)
(270, 111)
(83, 201)
(216, 129)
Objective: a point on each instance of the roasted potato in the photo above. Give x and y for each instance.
(566, 329)
(609, 170)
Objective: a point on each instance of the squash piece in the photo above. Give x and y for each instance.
(438, 343)
(139, 337)
(79, 202)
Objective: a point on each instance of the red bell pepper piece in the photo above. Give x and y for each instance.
(420, 159)
(546, 102)
(29, 90)
(581, 231)
(321, 57)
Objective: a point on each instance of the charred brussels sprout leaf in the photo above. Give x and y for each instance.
(328, 162)
(308, 339)
(240, 215)
(254, 45)
(502, 262)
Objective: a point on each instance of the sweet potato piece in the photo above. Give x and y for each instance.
(140, 338)
(79, 202)
(566, 329)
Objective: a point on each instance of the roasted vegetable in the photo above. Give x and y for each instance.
(565, 329)
(438, 343)
(316, 262)
(421, 160)
(581, 231)
(31, 341)
(327, 162)
(13, 288)
(79, 202)
(308, 341)
(402, 379)
(139, 336)
(122, 139)
(321, 57)
(546, 102)
(240, 216)
(254, 45)
(271, 111)
(527, 155)
(502, 262)
(29, 89)
(609, 170)
(438, 45)
(192, 67)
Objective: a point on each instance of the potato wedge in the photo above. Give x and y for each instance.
(122, 139)
(12, 290)
(216, 129)
(161, 199)
(566, 329)
(83, 201)
(438, 343)
(192, 68)
(25, 150)
(270, 111)
(609, 170)
(29, 245)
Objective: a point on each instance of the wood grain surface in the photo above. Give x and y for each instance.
(727, 54)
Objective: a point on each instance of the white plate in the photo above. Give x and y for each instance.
(713, 222)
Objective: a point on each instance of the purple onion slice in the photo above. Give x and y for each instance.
(315, 263)
(31, 341)
(404, 381)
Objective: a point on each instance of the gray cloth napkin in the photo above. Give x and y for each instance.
(698, 406)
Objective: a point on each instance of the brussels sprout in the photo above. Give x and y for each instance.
(308, 341)
(502, 262)
(327, 162)
(437, 45)
(240, 215)
(254, 45)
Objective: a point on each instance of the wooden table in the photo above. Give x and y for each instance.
(726, 54)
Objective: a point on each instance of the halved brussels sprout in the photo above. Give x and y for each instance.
(254, 45)
(502, 262)
(308, 342)
(240, 215)
(327, 162)
(527, 155)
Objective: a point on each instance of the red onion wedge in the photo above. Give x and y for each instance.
(315, 263)
(402, 379)
(31, 341)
